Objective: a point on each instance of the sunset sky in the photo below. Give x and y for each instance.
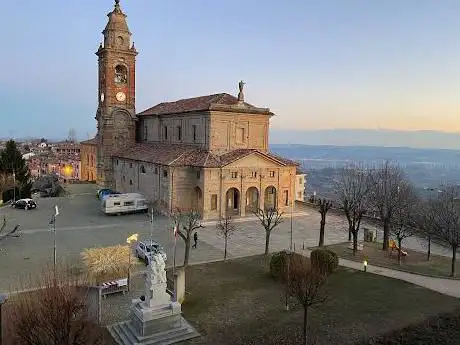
(317, 64)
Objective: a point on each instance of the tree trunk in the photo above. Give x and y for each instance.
(399, 250)
(355, 243)
(187, 250)
(454, 258)
(349, 233)
(428, 254)
(305, 325)
(225, 249)
(267, 241)
(321, 231)
(386, 234)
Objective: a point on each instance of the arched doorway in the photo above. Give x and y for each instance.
(252, 199)
(270, 198)
(197, 200)
(233, 202)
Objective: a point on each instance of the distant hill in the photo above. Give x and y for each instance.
(367, 137)
(425, 167)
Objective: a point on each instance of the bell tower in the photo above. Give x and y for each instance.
(116, 112)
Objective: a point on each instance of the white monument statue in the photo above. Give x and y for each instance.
(155, 284)
(156, 319)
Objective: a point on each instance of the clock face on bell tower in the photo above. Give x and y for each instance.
(116, 113)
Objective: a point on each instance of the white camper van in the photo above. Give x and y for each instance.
(124, 203)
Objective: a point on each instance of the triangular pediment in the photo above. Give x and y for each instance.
(255, 159)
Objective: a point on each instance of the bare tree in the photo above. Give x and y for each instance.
(447, 220)
(386, 181)
(225, 228)
(6, 182)
(404, 218)
(424, 218)
(269, 218)
(352, 189)
(54, 315)
(324, 207)
(306, 283)
(186, 224)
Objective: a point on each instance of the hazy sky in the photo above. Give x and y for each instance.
(317, 64)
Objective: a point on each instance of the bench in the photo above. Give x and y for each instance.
(115, 286)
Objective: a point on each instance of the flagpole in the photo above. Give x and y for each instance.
(129, 265)
(129, 240)
(54, 249)
(174, 263)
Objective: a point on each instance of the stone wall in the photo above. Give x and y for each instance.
(229, 131)
(236, 189)
(239, 190)
(149, 179)
(215, 131)
(190, 128)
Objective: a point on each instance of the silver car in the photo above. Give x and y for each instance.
(144, 250)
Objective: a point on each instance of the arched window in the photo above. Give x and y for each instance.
(142, 169)
(121, 74)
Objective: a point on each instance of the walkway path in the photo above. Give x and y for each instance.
(448, 287)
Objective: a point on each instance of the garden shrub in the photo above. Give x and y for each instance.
(277, 265)
(325, 258)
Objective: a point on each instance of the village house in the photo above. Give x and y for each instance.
(88, 158)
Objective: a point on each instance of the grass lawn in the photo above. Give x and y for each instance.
(414, 262)
(238, 303)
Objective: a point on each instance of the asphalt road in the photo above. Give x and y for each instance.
(81, 225)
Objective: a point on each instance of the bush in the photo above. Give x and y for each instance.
(279, 261)
(56, 314)
(277, 265)
(325, 259)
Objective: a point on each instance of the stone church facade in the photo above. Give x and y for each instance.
(207, 153)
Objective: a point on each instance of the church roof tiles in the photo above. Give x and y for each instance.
(220, 101)
(187, 155)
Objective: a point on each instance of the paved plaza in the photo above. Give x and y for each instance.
(81, 225)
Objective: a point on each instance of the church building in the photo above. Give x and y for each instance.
(207, 153)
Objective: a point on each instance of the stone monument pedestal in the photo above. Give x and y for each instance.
(150, 320)
(157, 320)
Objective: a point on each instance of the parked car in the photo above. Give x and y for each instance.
(26, 204)
(104, 191)
(144, 250)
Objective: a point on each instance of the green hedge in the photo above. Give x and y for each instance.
(325, 258)
(277, 265)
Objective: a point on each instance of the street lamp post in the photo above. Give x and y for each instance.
(291, 245)
(428, 254)
(174, 263)
(289, 262)
(53, 223)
